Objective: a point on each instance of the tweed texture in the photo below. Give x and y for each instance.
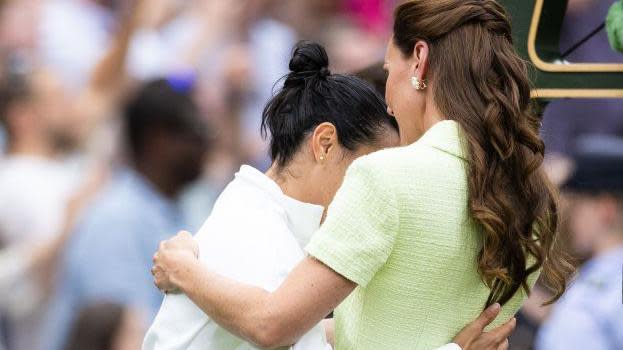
(400, 228)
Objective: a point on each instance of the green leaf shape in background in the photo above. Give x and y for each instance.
(614, 26)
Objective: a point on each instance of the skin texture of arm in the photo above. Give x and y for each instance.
(276, 319)
(311, 291)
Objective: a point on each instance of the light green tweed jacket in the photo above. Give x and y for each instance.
(399, 227)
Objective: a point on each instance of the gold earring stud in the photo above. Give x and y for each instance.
(418, 84)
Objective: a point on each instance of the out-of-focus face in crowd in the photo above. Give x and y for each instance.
(36, 104)
(50, 103)
(166, 133)
(592, 220)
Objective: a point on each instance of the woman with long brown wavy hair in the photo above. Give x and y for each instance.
(419, 238)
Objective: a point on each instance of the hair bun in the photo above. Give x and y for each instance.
(308, 59)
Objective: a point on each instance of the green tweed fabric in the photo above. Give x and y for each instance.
(400, 228)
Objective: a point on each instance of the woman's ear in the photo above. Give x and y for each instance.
(419, 67)
(323, 141)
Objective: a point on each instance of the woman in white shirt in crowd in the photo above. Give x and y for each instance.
(261, 222)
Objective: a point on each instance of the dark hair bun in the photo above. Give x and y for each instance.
(308, 59)
(311, 96)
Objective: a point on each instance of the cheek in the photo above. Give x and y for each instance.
(390, 90)
(398, 92)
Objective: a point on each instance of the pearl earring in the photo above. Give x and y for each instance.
(321, 158)
(418, 84)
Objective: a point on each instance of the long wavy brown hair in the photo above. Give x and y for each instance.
(479, 81)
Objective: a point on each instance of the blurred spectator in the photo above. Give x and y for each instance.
(110, 254)
(351, 48)
(590, 314)
(374, 75)
(58, 25)
(66, 66)
(35, 186)
(106, 326)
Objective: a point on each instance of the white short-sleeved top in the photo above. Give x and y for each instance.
(255, 234)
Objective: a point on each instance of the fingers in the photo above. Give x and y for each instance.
(504, 345)
(160, 280)
(486, 317)
(504, 331)
(474, 329)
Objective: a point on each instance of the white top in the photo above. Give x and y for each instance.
(254, 235)
(33, 197)
(33, 194)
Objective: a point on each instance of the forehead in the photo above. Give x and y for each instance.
(388, 48)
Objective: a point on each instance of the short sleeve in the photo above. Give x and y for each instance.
(358, 234)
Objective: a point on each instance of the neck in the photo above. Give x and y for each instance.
(166, 185)
(431, 115)
(427, 116)
(291, 184)
(35, 145)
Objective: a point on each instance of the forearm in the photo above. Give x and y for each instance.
(274, 319)
(237, 307)
(110, 71)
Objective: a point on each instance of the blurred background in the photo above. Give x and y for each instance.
(122, 120)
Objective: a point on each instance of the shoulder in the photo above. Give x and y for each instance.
(112, 206)
(379, 163)
(408, 163)
(415, 154)
(113, 216)
(243, 216)
(248, 204)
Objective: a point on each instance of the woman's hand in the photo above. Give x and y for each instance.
(174, 259)
(473, 336)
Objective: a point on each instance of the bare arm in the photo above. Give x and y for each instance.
(311, 291)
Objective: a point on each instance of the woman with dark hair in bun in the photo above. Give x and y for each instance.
(319, 124)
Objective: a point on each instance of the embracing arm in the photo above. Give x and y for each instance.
(269, 320)
(310, 292)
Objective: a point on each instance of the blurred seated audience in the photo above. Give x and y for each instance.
(106, 326)
(590, 313)
(109, 255)
(36, 189)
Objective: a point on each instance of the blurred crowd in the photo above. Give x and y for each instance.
(121, 121)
